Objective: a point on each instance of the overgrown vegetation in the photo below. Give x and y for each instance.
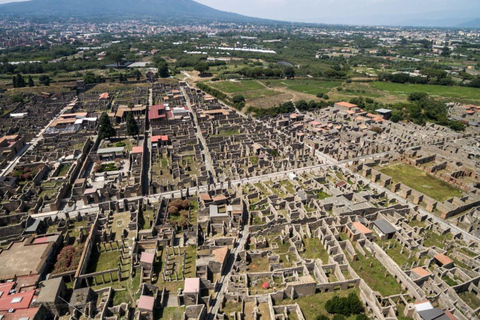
(68, 259)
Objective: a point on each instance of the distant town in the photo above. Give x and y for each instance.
(238, 170)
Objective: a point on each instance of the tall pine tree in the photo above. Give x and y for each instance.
(30, 81)
(20, 81)
(132, 127)
(163, 69)
(106, 130)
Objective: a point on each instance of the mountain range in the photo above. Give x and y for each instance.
(181, 11)
(170, 10)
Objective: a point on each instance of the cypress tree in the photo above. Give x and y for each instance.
(132, 127)
(106, 129)
(20, 81)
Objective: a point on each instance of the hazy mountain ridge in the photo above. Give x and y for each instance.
(161, 9)
(471, 24)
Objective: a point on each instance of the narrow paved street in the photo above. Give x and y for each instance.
(217, 301)
(203, 144)
(32, 143)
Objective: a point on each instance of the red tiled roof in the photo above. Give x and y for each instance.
(138, 149)
(205, 197)
(443, 259)
(361, 228)
(346, 104)
(421, 272)
(147, 257)
(5, 288)
(220, 197)
(159, 138)
(192, 285)
(220, 254)
(20, 314)
(41, 240)
(154, 112)
(146, 303)
(6, 301)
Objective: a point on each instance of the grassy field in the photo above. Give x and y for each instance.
(460, 94)
(470, 298)
(314, 249)
(103, 261)
(236, 86)
(169, 313)
(421, 181)
(373, 272)
(254, 92)
(313, 306)
(304, 86)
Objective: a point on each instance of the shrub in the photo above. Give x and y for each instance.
(344, 306)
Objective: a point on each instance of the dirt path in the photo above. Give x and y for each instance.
(283, 95)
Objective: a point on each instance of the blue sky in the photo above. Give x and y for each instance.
(352, 11)
(365, 12)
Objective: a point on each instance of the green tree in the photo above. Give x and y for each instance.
(289, 73)
(417, 96)
(457, 126)
(30, 81)
(44, 79)
(132, 127)
(106, 130)
(201, 67)
(18, 81)
(116, 57)
(465, 76)
(445, 52)
(355, 305)
(238, 99)
(163, 69)
(90, 78)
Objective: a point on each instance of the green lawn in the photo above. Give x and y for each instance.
(373, 273)
(395, 252)
(237, 86)
(314, 249)
(434, 239)
(421, 181)
(63, 170)
(313, 306)
(169, 313)
(103, 261)
(312, 87)
(461, 94)
(322, 195)
(470, 298)
(249, 89)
